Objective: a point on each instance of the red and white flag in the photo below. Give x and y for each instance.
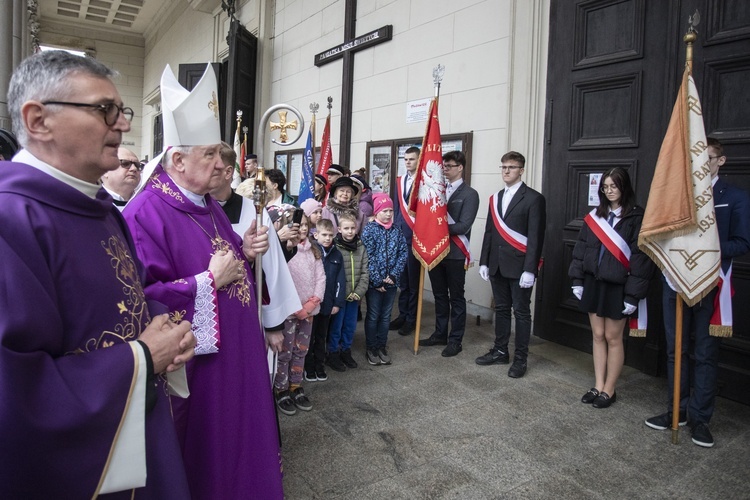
(325, 150)
(428, 205)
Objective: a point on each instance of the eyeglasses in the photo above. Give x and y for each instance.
(127, 164)
(714, 157)
(450, 165)
(607, 189)
(508, 168)
(111, 111)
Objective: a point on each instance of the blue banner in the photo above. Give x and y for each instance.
(307, 184)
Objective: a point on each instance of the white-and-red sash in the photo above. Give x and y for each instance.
(610, 238)
(721, 320)
(402, 204)
(618, 247)
(462, 242)
(638, 325)
(514, 238)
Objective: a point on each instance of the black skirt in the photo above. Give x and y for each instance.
(602, 298)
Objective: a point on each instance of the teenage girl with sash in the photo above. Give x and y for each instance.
(610, 276)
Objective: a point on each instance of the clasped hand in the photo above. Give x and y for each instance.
(171, 345)
(255, 241)
(225, 268)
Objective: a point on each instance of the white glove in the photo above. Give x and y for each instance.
(527, 280)
(484, 272)
(670, 284)
(629, 309)
(577, 291)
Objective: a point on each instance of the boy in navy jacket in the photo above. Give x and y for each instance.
(334, 299)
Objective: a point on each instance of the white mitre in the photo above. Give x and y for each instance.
(189, 118)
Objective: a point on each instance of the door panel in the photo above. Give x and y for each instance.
(241, 71)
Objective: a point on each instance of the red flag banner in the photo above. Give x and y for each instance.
(679, 226)
(241, 159)
(427, 203)
(325, 150)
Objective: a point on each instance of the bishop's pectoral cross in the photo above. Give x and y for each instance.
(346, 51)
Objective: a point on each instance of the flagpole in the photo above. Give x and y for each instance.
(244, 142)
(237, 147)
(437, 77)
(314, 110)
(677, 370)
(689, 39)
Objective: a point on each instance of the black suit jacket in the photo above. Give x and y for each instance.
(526, 214)
(398, 215)
(462, 207)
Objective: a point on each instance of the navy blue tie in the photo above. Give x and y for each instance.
(610, 220)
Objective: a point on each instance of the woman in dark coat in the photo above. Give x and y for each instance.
(610, 280)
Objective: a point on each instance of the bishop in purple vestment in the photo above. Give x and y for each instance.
(227, 427)
(200, 268)
(84, 410)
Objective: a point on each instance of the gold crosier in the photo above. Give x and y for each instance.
(259, 195)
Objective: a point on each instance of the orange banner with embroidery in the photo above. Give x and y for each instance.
(679, 226)
(428, 205)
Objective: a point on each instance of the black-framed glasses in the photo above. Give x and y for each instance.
(126, 164)
(111, 111)
(450, 165)
(714, 157)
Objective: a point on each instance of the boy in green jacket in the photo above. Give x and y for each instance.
(344, 323)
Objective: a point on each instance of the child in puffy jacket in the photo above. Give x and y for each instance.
(387, 253)
(343, 324)
(306, 268)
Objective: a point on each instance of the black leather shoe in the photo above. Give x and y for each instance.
(407, 328)
(590, 396)
(433, 340)
(493, 357)
(517, 369)
(604, 400)
(451, 350)
(396, 323)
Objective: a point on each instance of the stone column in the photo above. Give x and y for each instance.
(7, 18)
(19, 23)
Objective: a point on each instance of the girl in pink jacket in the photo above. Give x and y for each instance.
(306, 268)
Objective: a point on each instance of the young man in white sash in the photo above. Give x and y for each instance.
(449, 276)
(710, 315)
(511, 252)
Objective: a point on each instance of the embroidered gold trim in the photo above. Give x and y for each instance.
(166, 189)
(133, 309)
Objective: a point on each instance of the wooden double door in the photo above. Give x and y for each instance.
(613, 74)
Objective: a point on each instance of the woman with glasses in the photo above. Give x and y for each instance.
(610, 276)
